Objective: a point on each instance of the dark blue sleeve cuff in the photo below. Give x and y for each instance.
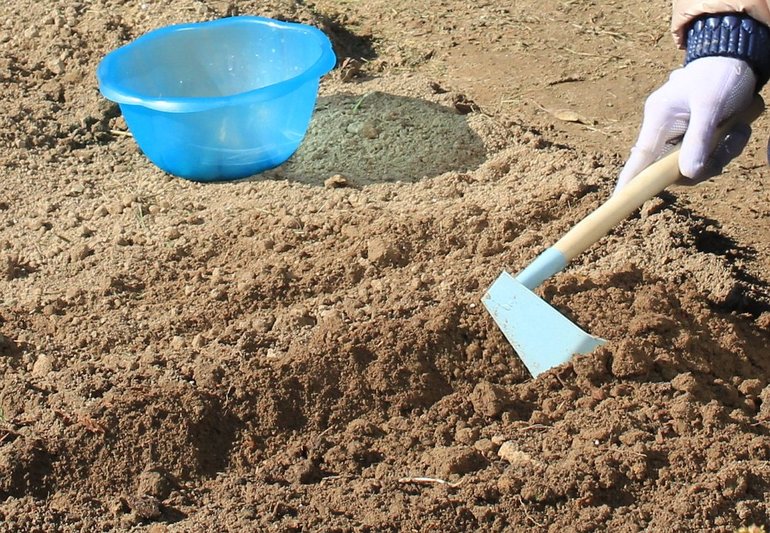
(731, 35)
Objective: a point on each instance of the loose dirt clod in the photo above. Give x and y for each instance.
(146, 507)
(454, 460)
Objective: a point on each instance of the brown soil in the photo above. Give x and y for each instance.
(294, 353)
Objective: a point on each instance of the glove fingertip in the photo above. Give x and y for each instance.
(694, 152)
(693, 158)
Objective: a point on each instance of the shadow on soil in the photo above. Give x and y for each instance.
(379, 137)
(751, 294)
(346, 42)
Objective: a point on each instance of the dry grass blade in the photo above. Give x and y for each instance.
(429, 481)
(526, 513)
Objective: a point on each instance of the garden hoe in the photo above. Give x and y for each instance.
(542, 337)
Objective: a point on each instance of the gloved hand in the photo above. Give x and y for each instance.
(688, 108)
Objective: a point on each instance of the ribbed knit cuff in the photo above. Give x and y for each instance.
(731, 35)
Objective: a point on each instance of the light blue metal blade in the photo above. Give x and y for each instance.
(542, 337)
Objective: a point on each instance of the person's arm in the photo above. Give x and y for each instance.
(727, 61)
(685, 11)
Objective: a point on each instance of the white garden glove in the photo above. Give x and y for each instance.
(688, 108)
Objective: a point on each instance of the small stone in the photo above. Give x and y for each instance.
(36, 224)
(511, 453)
(369, 131)
(50, 309)
(102, 211)
(685, 382)
(335, 182)
(56, 66)
(146, 507)
(750, 387)
(292, 222)
(651, 207)
(173, 234)
(498, 439)
(538, 417)
(128, 200)
(198, 341)
(42, 367)
(218, 294)
(599, 394)
(149, 358)
(485, 446)
(154, 483)
(115, 208)
(81, 252)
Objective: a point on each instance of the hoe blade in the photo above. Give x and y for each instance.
(542, 337)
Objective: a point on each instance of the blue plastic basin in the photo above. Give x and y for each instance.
(218, 100)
